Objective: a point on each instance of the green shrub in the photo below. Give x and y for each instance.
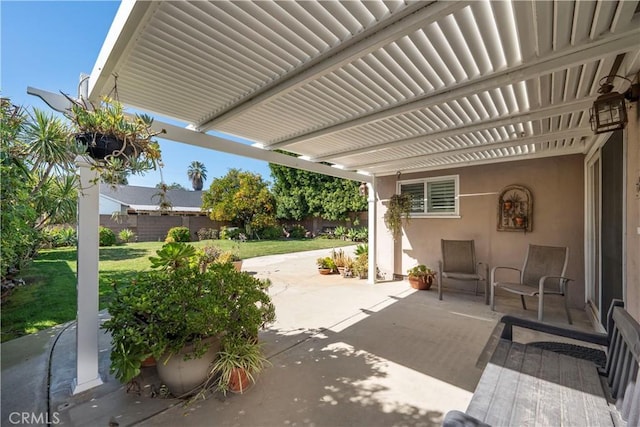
(126, 235)
(207, 234)
(230, 233)
(59, 236)
(178, 234)
(271, 233)
(298, 232)
(107, 236)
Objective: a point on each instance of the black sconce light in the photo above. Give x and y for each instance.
(609, 111)
(363, 189)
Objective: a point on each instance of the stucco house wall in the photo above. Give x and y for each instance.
(557, 189)
(632, 228)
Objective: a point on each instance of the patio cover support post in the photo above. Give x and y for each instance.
(87, 375)
(371, 212)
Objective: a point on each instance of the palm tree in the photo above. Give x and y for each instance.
(197, 173)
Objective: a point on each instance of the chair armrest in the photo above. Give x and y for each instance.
(511, 321)
(460, 419)
(495, 269)
(563, 282)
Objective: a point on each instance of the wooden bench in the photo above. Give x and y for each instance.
(526, 384)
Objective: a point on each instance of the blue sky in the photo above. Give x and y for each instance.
(47, 44)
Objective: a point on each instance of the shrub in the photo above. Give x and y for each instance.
(178, 234)
(271, 233)
(59, 236)
(107, 236)
(340, 232)
(230, 233)
(207, 234)
(126, 235)
(298, 232)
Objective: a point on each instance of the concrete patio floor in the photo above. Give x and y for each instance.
(342, 353)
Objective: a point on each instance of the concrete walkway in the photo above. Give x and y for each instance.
(343, 353)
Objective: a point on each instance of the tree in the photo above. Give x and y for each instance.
(172, 186)
(39, 185)
(243, 198)
(300, 194)
(197, 173)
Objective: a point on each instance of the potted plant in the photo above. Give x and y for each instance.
(511, 201)
(119, 143)
(231, 257)
(239, 360)
(339, 260)
(399, 207)
(325, 265)
(421, 277)
(179, 312)
(361, 266)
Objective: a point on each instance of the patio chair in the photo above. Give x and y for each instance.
(459, 263)
(542, 274)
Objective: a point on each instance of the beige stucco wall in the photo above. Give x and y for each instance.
(632, 237)
(557, 188)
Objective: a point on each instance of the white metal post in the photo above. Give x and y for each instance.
(373, 265)
(87, 374)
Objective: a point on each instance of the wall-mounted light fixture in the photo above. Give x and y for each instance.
(609, 111)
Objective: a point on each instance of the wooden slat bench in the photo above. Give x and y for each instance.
(526, 384)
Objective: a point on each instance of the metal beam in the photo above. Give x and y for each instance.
(538, 114)
(564, 59)
(199, 139)
(464, 164)
(412, 18)
(572, 133)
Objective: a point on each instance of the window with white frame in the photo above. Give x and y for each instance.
(433, 197)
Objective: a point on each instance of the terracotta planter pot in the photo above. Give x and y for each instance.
(422, 283)
(149, 362)
(324, 271)
(183, 376)
(239, 381)
(237, 265)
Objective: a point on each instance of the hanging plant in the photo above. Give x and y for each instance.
(118, 143)
(399, 207)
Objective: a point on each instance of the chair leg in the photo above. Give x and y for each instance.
(440, 287)
(493, 297)
(524, 305)
(540, 306)
(476, 288)
(566, 308)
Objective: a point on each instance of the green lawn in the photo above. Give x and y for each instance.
(50, 295)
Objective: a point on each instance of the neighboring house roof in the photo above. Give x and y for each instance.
(146, 198)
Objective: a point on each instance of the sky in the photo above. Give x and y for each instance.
(48, 44)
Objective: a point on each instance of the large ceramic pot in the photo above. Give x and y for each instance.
(422, 283)
(183, 376)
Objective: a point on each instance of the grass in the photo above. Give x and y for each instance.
(50, 299)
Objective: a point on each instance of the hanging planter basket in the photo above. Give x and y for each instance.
(100, 146)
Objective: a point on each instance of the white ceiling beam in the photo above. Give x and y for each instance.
(199, 139)
(464, 164)
(572, 133)
(564, 59)
(541, 113)
(412, 18)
